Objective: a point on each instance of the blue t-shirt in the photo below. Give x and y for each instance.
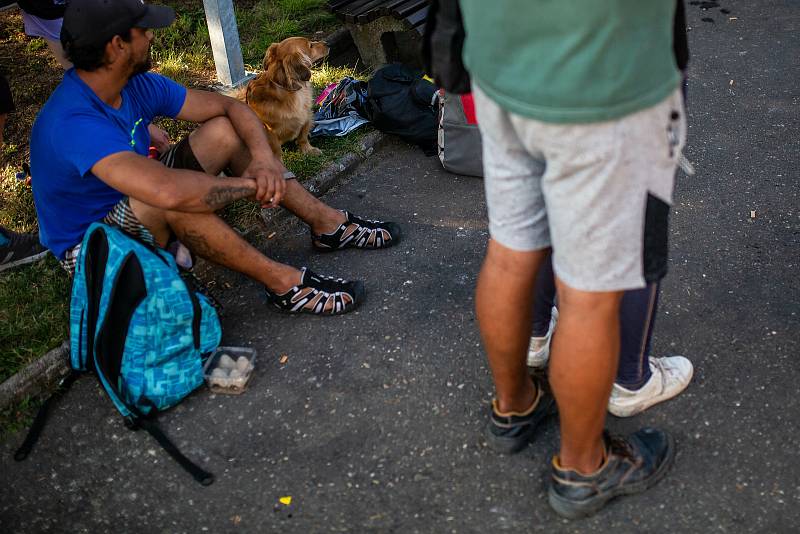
(73, 131)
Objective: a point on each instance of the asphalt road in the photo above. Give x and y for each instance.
(373, 423)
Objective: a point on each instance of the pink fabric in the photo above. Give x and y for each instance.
(325, 92)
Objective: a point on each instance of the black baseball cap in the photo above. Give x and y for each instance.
(91, 22)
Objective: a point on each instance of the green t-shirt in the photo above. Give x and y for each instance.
(571, 61)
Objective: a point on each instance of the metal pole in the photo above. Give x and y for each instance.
(225, 42)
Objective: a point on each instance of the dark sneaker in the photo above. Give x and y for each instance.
(19, 249)
(320, 295)
(632, 465)
(359, 233)
(511, 432)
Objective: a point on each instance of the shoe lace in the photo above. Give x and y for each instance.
(619, 446)
(657, 365)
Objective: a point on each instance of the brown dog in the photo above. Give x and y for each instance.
(281, 95)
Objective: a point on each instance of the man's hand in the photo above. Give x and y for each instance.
(265, 169)
(268, 175)
(158, 138)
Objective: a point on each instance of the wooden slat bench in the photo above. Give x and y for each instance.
(383, 30)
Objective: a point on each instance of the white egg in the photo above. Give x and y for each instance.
(235, 373)
(242, 364)
(219, 372)
(226, 361)
(219, 381)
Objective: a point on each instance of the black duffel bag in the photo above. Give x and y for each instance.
(401, 102)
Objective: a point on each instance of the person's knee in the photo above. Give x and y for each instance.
(220, 133)
(595, 303)
(514, 262)
(215, 144)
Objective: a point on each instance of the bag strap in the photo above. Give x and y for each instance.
(136, 420)
(199, 474)
(127, 292)
(41, 417)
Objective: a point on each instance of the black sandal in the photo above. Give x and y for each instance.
(359, 233)
(320, 295)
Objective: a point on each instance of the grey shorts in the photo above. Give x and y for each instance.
(598, 193)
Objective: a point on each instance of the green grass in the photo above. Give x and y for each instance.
(34, 299)
(17, 207)
(34, 306)
(18, 417)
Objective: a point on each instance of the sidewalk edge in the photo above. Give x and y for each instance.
(37, 377)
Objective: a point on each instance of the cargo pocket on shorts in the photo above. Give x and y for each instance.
(656, 231)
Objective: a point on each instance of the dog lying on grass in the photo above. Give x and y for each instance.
(281, 95)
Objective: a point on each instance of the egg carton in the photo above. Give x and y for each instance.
(229, 369)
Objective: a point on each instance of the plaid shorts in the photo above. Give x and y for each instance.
(178, 156)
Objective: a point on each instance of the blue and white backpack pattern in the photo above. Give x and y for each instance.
(134, 320)
(136, 324)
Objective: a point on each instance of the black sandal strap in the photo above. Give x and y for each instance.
(358, 232)
(319, 295)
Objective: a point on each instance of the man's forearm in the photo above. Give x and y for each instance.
(197, 192)
(250, 128)
(221, 195)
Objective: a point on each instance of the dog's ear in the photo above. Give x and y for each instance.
(296, 69)
(270, 56)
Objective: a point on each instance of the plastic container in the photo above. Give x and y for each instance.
(227, 372)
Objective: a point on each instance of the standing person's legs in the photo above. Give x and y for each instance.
(503, 301)
(643, 380)
(582, 368)
(607, 187)
(545, 315)
(544, 299)
(637, 318)
(58, 52)
(504, 295)
(50, 31)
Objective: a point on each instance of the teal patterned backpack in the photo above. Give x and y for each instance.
(136, 324)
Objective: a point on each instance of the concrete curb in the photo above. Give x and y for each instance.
(37, 377)
(41, 375)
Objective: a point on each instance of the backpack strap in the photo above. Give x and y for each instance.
(127, 292)
(41, 417)
(199, 474)
(95, 255)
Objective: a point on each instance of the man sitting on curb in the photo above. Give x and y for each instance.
(88, 161)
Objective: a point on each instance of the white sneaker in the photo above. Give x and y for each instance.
(670, 376)
(539, 349)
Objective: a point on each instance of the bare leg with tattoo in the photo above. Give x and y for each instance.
(216, 147)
